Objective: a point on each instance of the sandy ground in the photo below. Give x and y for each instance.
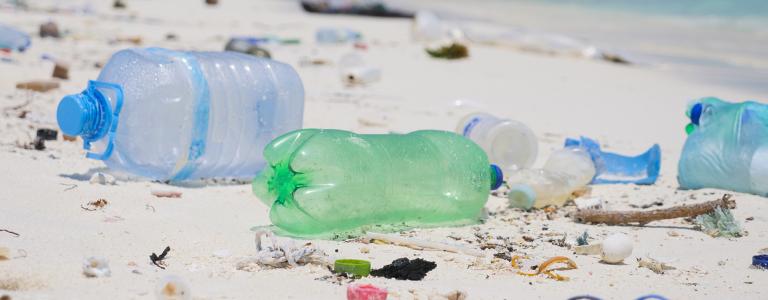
(627, 108)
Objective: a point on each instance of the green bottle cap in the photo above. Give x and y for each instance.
(689, 128)
(356, 267)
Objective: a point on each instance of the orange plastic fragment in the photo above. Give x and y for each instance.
(543, 268)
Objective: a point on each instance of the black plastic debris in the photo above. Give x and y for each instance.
(44, 134)
(405, 269)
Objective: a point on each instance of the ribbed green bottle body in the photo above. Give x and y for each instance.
(325, 181)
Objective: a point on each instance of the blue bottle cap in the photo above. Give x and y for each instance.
(497, 177)
(696, 113)
(74, 113)
(521, 196)
(760, 261)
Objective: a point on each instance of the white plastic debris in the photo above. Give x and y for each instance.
(588, 203)
(284, 253)
(103, 179)
(591, 249)
(616, 248)
(361, 75)
(96, 267)
(173, 288)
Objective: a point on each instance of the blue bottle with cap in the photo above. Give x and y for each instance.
(172, 115)
(727, 147)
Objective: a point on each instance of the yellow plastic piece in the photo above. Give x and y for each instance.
(544, 267)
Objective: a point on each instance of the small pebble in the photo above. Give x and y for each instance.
(103, 179)
(172, 288)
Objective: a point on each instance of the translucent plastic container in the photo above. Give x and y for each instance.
(321, 182)
(172, 115)
(566, 171)
(12, 38)
(509, 144)
(727, 147)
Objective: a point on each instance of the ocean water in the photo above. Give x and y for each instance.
(719, 42)
(687, 8)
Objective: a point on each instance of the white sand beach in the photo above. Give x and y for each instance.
(626, 107)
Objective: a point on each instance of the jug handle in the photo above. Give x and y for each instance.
(93, 88)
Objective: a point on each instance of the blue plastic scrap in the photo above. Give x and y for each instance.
(614, 168)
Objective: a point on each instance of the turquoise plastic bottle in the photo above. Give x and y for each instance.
(325, 182)
(727, 147)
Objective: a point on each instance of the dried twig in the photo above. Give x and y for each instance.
(157, 260)
(644, 217)
(11, 232)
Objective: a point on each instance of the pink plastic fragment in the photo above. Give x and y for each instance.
(365, 292)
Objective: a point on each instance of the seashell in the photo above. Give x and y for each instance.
(616, 248)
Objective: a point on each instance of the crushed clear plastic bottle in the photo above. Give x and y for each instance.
(509, 144)
(172, 115)
(727, 147)
(566, 171)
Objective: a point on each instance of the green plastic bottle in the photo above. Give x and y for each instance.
(326, 183)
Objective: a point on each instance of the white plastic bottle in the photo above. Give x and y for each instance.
(172, 115)
(565, 171)
(509, 144)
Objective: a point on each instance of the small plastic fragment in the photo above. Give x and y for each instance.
(365, 292)
(719, 223)
(96, 267)
(166, 194)
(760, 261)
(355, 267)
(101, 178)
(49, 29)
(5, 253)
(543, 268)
(61, 71)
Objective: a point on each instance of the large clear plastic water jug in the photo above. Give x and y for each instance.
(173, 115)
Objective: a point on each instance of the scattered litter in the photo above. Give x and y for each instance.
(135, 40)
(118, 4)
(645, 217)
(719, 223)
(422, 244)
(360, 8)
(452, 51)
(614, 168)
(543, 268)
(103, 179)
(60, 70)
(405, 269)
(283, 253)
(157, 260)
(41, 136)
(94, 205)
(332, 35)
(760, 261)
(5, 253)
(96, 267)
(249, 45)
(588, 203)
(653, 265)
(355, 267)
(13, 39)
(166, 194)
(583, 239)
(173, 288)
(365, 292)
(616, 248)
(591, 249)
(647, 205)
(49, 29)
(715, 155)
(212, 2)
(361, 75)
(38, 85)
(11, 232)
(223, 253)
